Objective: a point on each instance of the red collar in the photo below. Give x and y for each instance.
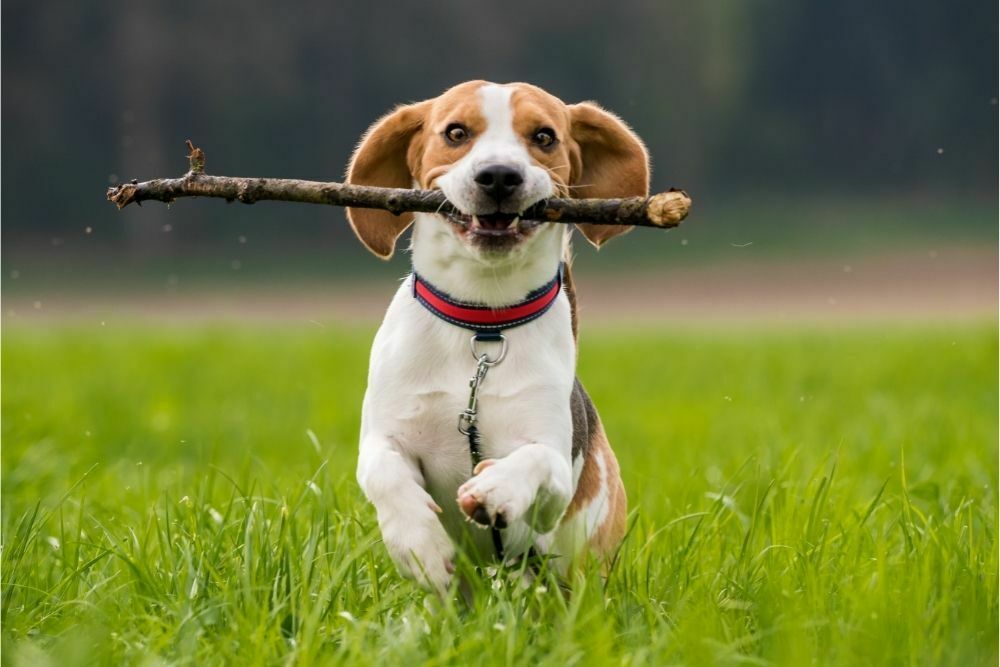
(480, 318)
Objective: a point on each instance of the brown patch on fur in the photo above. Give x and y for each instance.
(534, 109)
(605, 538)
(569, 287)
(609, 534)
(408, 145)
(381, 160)
(434, 156)
(612, 163)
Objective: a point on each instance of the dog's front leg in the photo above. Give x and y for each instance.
(534, 483)
(407, 515)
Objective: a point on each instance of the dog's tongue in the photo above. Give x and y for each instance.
(495, 221)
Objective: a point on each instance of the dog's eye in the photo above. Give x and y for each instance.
(456, 134)
(544, 137)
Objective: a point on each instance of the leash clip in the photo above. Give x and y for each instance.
(468, 417)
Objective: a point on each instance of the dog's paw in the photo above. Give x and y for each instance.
(421, 549)
(495, 495)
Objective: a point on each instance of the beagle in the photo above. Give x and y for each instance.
(519, 448)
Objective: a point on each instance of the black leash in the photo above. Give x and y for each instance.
(473, 434)
(467, 420)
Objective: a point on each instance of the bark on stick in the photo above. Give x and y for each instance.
(663, 210)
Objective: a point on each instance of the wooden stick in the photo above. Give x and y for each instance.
(663, 210)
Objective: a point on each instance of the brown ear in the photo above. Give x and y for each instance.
(381, 160)
(612, 163)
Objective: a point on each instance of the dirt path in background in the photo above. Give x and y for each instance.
(944, 284)
(947, 284)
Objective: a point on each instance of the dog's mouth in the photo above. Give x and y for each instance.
(493, 225)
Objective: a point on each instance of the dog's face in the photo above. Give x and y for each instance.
(494, 150)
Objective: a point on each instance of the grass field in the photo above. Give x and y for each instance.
(798, 497)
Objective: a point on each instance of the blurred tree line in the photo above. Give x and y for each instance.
(778, 96)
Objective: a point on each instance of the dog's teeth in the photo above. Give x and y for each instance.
(475, 221)
(514, 222)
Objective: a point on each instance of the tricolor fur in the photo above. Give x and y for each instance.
(550, 474)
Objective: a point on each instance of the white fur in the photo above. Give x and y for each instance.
(467, 275)
(413, 459)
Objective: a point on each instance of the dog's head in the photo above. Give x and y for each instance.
(494, 150)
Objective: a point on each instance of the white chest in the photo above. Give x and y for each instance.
(418, 386)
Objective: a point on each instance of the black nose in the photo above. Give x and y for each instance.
(499, 181)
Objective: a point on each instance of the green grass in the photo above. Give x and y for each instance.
(186, 496)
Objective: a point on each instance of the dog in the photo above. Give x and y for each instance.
(525, 455)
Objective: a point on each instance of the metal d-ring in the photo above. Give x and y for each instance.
(483, 358)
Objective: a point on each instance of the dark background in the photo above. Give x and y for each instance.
(793, 124)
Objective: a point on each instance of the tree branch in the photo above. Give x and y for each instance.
(663, 210)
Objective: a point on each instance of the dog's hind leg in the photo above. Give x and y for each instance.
(595, 518)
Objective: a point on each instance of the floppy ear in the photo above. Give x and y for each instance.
(381, 160)
(612, 162)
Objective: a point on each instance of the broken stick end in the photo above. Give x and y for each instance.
(122, 195)
(668, 209)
